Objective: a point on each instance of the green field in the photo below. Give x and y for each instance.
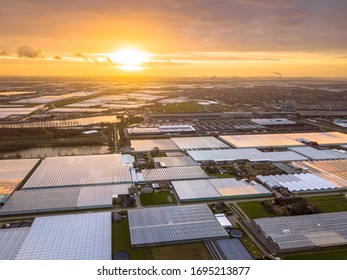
(156, 198)
(339, 254)
(187, 107)
(251, 246)
(329, 203)
(254, 210)
(184, 251)
(121, 240)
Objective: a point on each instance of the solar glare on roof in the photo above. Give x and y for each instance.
(333, 171)
(284, 140)
(148, 145)
(13, 172)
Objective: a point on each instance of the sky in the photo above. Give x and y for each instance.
(174, 38)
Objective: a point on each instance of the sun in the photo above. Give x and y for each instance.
(130, 59)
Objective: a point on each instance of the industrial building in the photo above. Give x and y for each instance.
(10, 241)
(228, 249)
(278, 121)
(333, 171)
(217, 189)
(39, 200)
(297, 182)
(306, 231)
(173, 224)
(68, 237)
(162, 129)
(177, 129)
(172, 174)
(341, 122)
(148, 145)
(316, 154)
(285, 140)
(12, 174)
(14, 111)
(174, 161)
(195, 143)
(143, 131)
(80, 171)
(252, 155)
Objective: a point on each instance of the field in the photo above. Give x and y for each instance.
(121, 240)
(329, 203)
(187, 107)
(156, 198)
(251, 246)
(18, 139)
(338, 254)
(184, 251)
(254, 210)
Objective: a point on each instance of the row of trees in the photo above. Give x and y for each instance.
(291, 206)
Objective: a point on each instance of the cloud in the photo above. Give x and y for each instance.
(81, 56)
(29, 52)
(5, 53)
(159, 63)
(177, 25)
(214, 56)
(57, 57)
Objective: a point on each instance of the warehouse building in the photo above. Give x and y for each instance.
(80, 171)
(10, 241)
(316, 154)
(148, 145)
(285, 140)
(305, 232)
(252, 155)
(12, 174)
(173, 224)
(39, 200)
(68, 237)
(172, 174)
(177, 129)
(228, 249)
(297, 182)
(143, 131)
(217, 189)
(333, 171)
(197, 143)
(174, 161)
(278, 121)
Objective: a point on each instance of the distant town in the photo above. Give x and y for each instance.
(173, 168)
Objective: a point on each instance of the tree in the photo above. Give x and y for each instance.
(155, 151)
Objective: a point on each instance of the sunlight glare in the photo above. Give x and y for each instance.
(130, 59)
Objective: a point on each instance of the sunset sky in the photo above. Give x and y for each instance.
(174, 37)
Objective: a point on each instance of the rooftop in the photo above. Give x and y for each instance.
(173, 224)
(80, 170)
(68, 237)
(284, 140)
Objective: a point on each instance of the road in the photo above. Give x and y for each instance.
(115, 139)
